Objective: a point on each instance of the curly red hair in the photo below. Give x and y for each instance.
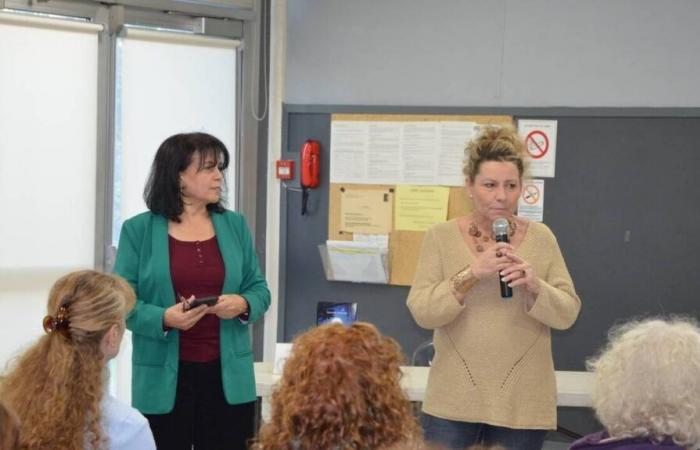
(340, 390)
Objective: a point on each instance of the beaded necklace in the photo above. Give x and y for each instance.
(475, 233)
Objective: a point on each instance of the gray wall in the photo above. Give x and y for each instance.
(494, 52)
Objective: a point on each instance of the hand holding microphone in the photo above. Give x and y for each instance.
(491, 261)
(520, 273)
(500, 258)
(517, 272)
(500, 231)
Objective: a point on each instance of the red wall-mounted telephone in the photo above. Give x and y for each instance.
(310, 164)
(310, 168)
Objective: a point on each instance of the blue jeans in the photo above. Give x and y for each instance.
(457, 435)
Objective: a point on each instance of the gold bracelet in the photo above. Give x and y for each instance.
(463, 280)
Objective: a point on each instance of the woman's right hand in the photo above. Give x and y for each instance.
(177, 317)
(492, 260)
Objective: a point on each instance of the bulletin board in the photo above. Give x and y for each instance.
(404, 245)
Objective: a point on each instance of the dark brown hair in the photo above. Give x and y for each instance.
(162, 192)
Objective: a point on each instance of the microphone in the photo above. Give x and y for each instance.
(500, 231)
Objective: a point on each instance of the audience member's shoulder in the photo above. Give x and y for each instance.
(126, 428)
(589, 441)
(602, 441)
(120, 412)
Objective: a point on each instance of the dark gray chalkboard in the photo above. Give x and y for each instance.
(618, 173)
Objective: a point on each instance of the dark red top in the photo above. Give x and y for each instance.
(197, 268)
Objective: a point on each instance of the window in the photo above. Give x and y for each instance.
(48, 128)
(168, 83)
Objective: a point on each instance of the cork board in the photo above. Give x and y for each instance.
(404, 246)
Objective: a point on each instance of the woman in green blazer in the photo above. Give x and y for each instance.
(192, 365)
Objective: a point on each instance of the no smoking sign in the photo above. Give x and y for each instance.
(531, 201)
(537, 144)
(531, 194)
(541, 145)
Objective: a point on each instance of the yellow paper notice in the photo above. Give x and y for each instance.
(420, 207)
(366, 211)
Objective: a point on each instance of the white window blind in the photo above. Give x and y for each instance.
(169, 83)
(48, 110)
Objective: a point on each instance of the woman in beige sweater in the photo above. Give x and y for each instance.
(492, 379)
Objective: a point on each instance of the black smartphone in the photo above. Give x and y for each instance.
(209, 301)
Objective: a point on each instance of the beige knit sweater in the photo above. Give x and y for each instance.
(493, 358)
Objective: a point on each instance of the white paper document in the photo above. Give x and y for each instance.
(361, 262)
(384, 152)
(454, 137)
(349, 146)
(407, 152)
(419, 152)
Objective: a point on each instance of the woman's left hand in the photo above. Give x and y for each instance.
(521, 273)
(229, 306)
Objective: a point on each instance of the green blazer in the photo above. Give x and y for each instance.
(143, 260)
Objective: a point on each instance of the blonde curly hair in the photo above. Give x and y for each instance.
(340, 390)
(57, 385)
(495, 143)
(648, 380)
